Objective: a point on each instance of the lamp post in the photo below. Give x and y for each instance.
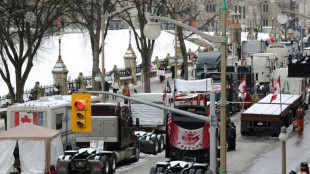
(152, 31)
(283, 137)
(102, 52)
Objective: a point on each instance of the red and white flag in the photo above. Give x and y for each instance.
(189, 139)
(276, 90)
(26, 117)
(242, 87)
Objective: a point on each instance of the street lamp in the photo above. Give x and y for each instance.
(283, 137)
(223, 102)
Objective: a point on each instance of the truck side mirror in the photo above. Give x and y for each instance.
(137, 122)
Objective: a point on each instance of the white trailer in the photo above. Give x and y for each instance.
(282, 51)
(51, 112)
(150, 121)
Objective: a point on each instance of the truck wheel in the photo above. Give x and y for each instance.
(112, 164)
(199, 171)
(105, 163)
(191, 171)
(153, 170)
(155, 141)
(160, 170)
(137, 154)
(160, 143)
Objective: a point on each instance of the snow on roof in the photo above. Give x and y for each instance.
(266, 109)
(286, 99)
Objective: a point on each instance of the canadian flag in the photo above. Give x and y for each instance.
(276, 90)
(25, 117)
(242, 87)
(188, 139)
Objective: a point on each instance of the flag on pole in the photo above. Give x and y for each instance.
(276, 90)
(242, 87)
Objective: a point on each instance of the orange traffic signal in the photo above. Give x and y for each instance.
(81, 112)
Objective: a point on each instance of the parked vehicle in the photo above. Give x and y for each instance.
(270, 117)
(112, 132)
(51, 112)
(150, 122)
(282, 51)
(251, 47)
(191, 153)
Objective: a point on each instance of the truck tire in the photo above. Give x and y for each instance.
(105, 163)
(160, 170)
(199, 171)
(192, 171)
(276, 129)
(137, 154)
(161, 143)
(153, 170)
(244, 130)
(112, 164)
(155, 141)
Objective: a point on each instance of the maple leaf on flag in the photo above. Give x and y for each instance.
(25, 119)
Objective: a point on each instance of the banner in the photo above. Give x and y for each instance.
(194, 85)
(188, 139)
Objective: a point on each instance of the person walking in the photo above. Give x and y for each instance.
(255, 98)
(300, 113)
(106, 88)
(233, 136)
(115, 88)
(182, 71)
(239, 52)
(161, 77)
(248, 100)
(172, 71)
(126, 92)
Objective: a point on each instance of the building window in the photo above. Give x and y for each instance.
(243, 15)
(207, 8)
(265, 22)
(265, 7)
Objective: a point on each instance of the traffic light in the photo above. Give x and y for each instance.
(81, 112)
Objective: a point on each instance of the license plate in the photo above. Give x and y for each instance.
(260, 123)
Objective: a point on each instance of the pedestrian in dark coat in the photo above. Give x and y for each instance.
(106, 88)
(172, 71)
(182, 71)
(228, 136)
(233, 136)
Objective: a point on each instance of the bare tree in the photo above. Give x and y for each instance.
(25, 25)
(144, 45)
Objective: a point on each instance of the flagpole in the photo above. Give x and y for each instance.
(280, 96)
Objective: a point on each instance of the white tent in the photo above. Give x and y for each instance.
(39, 147)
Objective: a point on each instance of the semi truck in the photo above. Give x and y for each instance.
(188, 143)
(150, 122)
(111, 140)
(270, 117)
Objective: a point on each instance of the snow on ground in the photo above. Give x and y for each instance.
(77, 56)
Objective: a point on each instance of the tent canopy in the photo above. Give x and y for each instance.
(29, 131)
(38, 148)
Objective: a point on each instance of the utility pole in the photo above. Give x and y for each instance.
(102, 52)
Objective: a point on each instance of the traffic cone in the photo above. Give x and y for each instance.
(304, 168)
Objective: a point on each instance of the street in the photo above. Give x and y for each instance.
(259, 154)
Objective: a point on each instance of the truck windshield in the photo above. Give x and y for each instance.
(183, 121)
